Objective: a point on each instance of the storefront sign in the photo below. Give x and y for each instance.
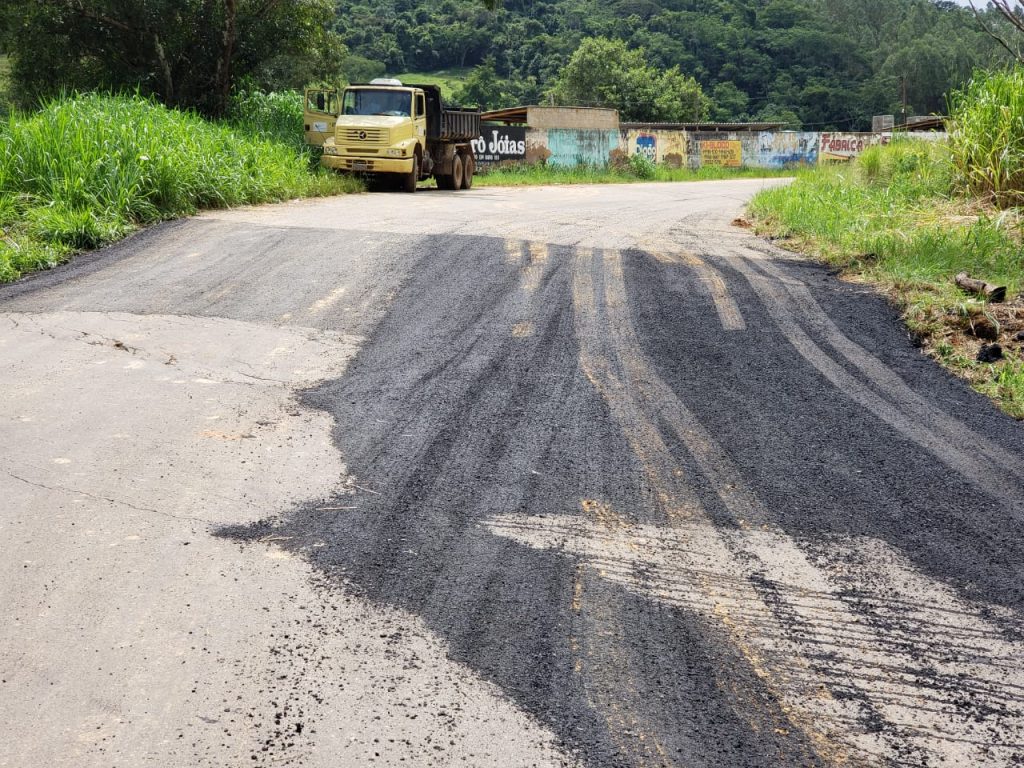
(500, 143)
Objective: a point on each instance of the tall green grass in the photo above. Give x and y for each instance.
(273, 116)
(893, 214)
(5, 85)
(987, 136)
(86, 170)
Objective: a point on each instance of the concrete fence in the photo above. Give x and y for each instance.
(560, 137)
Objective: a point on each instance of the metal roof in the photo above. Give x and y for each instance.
(923, 123)
(519, 115)
(706, 127)
(510, 115)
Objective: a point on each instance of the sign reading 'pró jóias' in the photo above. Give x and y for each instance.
(500, 143)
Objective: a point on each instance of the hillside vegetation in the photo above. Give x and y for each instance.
(86, 170)
(911, 215)
(810, 63)
(815, 63)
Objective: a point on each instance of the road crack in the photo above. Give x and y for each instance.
(108, 499)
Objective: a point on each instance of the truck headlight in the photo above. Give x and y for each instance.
(396, 153)
(330, 149)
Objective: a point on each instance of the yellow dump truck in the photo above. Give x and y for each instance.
(387, 130)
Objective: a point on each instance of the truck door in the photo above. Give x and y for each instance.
(319, 114)
(420, 117)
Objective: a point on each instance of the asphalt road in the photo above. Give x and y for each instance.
(577, 476)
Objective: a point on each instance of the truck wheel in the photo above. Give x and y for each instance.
(468, 169)
(410, 179)
(457, 172)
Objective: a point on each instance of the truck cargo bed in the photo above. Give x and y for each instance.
(445, 123)
(459, 124)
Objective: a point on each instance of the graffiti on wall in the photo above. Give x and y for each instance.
(781, 149)
(666, 146)
(499, 143)
(728, 153)
(676, 147)
(647, 145)
(840, 147)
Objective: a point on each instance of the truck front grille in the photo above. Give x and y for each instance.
(367, 137)
(355, 164)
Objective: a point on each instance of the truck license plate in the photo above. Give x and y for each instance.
(359, 165)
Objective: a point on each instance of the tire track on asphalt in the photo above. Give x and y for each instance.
(729, 314)
(881, 376)
(611, 359)
(905, 412)
(839, 655)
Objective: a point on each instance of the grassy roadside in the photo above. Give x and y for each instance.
(538, 175)
(896, 218)
(86, 170)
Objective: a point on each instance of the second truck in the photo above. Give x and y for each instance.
(388, 130)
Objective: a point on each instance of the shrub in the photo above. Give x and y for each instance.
(642, 167)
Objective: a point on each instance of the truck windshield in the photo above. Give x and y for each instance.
(369, 102)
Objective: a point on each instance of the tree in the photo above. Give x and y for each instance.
(1012, 14)
(188, 53)
(730, 103)
(483, 88)
(606, 73)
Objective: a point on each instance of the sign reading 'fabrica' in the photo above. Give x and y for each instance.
(500, 142)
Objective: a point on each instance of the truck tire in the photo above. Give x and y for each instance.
(410, 179)
(457, 172)
(468, 169)
(444, 181)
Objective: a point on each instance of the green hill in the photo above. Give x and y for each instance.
(448, 79)
(828, 65)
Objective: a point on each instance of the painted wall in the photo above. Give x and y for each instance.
(571, 146)
(780, 149)
(727, 153)
(659, 145)
(500, 144)
(841, 147)
(675, 147)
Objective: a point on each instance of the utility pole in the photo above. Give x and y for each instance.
(903, 86)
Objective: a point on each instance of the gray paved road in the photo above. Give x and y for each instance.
(561, 476)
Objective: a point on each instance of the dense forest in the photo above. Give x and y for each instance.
(818, 64)
(810, 63)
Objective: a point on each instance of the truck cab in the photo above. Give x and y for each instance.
(387, 128)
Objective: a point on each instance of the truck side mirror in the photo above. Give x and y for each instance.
(320, 101)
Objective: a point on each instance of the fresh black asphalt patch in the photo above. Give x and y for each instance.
(446, 419)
